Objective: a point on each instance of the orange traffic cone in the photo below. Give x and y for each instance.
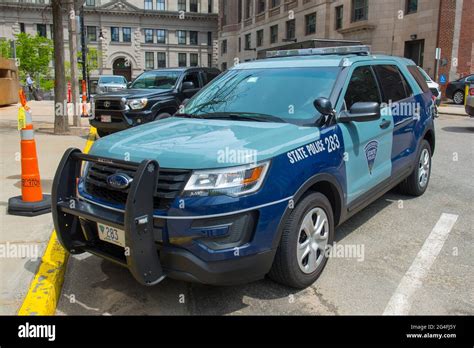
(32, 202)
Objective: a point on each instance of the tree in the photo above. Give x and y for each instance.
(61, 124)
(34, 55)
(5, 49)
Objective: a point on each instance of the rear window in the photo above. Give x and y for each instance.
(418, 78)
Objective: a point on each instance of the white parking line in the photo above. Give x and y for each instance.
(401, 300)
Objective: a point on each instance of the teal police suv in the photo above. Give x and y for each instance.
(255, 172)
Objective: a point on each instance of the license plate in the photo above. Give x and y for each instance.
(106, 118)
(111, 234)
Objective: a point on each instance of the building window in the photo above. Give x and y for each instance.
(224, 47)
(339, 16)
(260, 38)
(210, 6)
(274, 34)
(161, 59)
(22, 27)
(41, 30)
(310, 23)
(149, 60)
(290, 29)
(182, 5)
(248, 41)
(161, 36)
(239, 11)
(240, 44)
(411, 6)
(193, 6)
(193, 59)
(248, 8)
(209, 60)
(193, 37)
(127, 34)
(275, 3)
(359, 10)
(160, 5)
(148, 35)
(224, 66)
(148, 4)
(114, 34)
(181, 37)
(209, 38)
(182, 61)
(91, 34)
(90, 2)
(261, 6)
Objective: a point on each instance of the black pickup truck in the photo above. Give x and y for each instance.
(154, 95)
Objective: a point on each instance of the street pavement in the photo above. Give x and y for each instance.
(27, 233)
(396, 233)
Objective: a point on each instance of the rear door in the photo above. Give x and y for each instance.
(368, 145)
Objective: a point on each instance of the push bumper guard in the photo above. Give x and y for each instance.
(141, 255)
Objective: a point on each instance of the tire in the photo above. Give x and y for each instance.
(162, 116)
(102, 133)
(288, 266)
(414, 185)
(458, 97)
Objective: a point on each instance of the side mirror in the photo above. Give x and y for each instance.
(187, 85)
(324, 106)
(361, 112)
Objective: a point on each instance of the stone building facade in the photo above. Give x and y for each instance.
(410, 28)
(130, 36)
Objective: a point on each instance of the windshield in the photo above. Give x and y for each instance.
(156, 80)
(425, 75)
(284, 93)
(112, 79)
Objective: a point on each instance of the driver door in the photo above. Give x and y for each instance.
(368, 145)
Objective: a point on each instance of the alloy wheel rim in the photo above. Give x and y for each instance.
(458, 98)
(312, 240)
(424, 168)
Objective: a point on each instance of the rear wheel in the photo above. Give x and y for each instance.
(458, 97)
(162, 116)
(308, 231)
(417, 183)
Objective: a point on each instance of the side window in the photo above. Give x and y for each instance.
(417, 75)
(362, 87)
(194, 78)
(392, 83)
(211, 75)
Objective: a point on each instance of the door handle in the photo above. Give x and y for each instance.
(385, 124)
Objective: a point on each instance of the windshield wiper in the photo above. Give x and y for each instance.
(243, 116)
(183, 115)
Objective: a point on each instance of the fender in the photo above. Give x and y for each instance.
(321, 177)
(166, 102)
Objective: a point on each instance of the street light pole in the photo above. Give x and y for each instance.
(84, 48)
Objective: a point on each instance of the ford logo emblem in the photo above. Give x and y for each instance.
(119, 181)
(107, 104)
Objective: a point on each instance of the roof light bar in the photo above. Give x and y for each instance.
(359, 49)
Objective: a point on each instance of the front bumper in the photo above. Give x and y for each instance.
(149, 254)
(120, 120)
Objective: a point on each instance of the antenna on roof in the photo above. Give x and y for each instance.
(340, 50)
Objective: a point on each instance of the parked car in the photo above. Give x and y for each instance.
(433, 86)
(254, 174)
(154, 95)
(110, 83)
(457, 89)
(470, 101)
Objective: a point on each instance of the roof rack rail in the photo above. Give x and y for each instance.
(340, 50)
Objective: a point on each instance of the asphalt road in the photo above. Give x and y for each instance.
(392, 231)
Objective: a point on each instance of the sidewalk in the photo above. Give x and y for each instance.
(26, 234)
(451, 109)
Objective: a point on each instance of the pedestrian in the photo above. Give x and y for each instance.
(31, 86)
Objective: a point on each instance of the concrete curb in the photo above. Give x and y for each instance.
(45, 289)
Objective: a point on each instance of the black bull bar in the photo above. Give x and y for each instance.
(140, 253)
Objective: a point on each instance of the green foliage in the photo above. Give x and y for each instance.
(35, 54)
(5, 49)
(92, 60)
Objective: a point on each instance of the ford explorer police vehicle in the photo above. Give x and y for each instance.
(255, 173)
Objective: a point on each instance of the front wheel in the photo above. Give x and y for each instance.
(458, 97)
(417, 183)
(307, 234)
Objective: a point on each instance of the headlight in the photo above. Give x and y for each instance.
(137, 104)
(85, 168)
(235, 181)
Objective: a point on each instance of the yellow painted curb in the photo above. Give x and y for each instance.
(45, 289)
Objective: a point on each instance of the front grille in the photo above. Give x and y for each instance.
(435, 92)
(170, 184)
(112, 105)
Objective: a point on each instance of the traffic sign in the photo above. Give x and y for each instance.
(442, 79)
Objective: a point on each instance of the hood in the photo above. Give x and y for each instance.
(202, 144)
(134, 93)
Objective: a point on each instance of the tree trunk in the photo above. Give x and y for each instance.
(61, 124)
(73, 59)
